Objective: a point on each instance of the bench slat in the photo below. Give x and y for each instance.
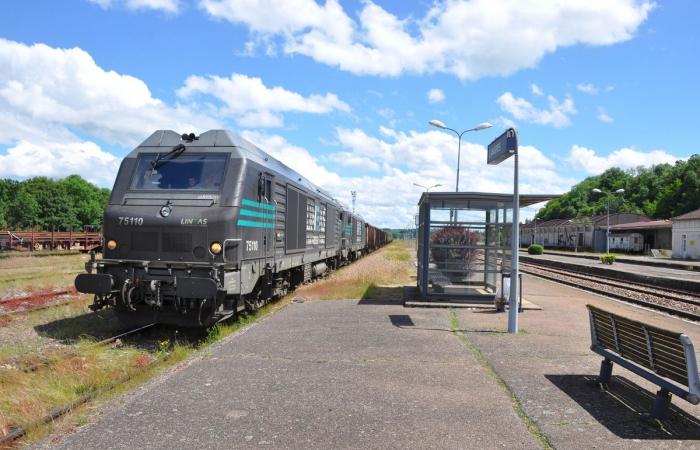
(673, 357)
(670, 341)
(666, 347)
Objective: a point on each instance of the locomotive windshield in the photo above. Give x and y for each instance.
(201, 172)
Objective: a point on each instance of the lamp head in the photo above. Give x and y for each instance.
(597, 191)
(482, 126)
(619, 191)
(438, 124)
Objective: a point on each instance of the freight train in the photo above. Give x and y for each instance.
(200, 228)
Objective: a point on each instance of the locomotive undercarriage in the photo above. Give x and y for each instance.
(180, 294)
(186, 294)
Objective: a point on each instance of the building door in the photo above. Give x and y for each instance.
(684, 246)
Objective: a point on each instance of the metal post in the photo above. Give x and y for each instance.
(459, 153)
(607, 233)
(515, 238)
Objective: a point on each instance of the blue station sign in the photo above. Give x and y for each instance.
(503, 147)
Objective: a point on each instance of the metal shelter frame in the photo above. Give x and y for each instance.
(461, 256)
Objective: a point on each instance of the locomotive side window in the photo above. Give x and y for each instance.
(200, 172)
(310, 215)
(322, 224)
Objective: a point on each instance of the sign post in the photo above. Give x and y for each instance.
(502, 148)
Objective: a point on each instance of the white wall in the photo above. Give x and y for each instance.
(691, 229)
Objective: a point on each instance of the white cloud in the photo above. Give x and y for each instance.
(625, 158)
(253, 104)
(380, 43)
(588, 88)
(603, 116)
(295, 157)
(52, 159)
(558, 114)
(536, 90)
(45, 90)
(169, 6)
(436, 96)
(387, 197)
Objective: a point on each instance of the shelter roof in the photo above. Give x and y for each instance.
(481, 200)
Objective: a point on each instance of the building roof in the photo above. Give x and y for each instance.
(645, 225)
(692, 215)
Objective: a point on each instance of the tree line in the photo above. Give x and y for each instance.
(43, 203)
(660, 192)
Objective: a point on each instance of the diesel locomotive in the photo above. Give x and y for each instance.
(199, 228)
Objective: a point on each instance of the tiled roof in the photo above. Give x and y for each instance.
(643, 225)
(689, 216)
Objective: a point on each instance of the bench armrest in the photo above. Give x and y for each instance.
(692, 365)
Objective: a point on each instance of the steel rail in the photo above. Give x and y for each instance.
(608, 293)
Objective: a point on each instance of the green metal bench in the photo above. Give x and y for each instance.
(665, 358)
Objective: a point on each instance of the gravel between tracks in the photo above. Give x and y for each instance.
(652, 297)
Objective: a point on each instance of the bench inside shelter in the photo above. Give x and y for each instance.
(663, 357)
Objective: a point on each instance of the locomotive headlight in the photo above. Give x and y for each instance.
(165, 211)
(215, 247)
(111, 244)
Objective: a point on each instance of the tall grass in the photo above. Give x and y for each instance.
(389, 266)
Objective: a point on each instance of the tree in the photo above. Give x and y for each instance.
(48, 204)
(660, 192)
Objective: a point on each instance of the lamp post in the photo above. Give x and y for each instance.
(607, 231)
(427, 188)
(438, 124)
(442, 126)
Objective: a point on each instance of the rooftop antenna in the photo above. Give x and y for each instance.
(354, 198)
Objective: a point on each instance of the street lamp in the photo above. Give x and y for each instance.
(607, 233)
(442, 126)
(427, 188)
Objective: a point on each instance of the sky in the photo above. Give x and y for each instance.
(343, 92)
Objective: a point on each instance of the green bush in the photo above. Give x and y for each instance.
(535, 249)
(607, 259)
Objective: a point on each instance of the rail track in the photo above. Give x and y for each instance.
(18, 432)
(29, 303)
(676, 302)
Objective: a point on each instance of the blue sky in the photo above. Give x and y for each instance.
(343, 92)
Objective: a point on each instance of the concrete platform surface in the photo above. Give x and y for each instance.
(672, 263)
(550, 368)
(660, 272)
(329, 374)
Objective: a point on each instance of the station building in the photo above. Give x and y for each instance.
(641, 237)
(686, 235)
(581, 233)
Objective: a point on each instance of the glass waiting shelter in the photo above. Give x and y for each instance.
(464, 244)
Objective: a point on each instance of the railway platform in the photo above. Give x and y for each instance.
(642, 260)
(373, 374)
(679, 278)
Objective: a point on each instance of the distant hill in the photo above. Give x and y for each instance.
(660, 192)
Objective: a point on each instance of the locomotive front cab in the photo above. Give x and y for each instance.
(167, 229)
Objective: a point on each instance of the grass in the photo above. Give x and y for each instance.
(60, 341)
(22, 274)
(389, 266)
(37, 254)
(515, 403)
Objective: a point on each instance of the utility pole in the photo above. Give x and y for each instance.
(354, 198)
